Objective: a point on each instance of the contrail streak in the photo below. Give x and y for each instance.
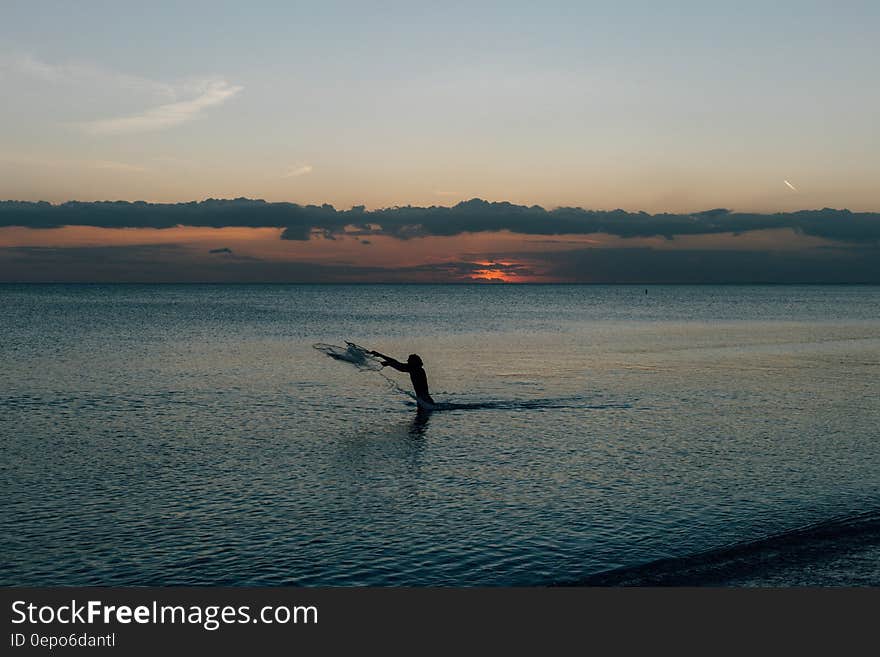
(793, 188)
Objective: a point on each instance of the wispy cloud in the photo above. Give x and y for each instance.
(167, 104)
(213, 93)
(82, 74)
(124, 167)
(296, 172)
(54, 162)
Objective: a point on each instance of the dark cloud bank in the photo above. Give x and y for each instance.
(300, 222)
(851, 256)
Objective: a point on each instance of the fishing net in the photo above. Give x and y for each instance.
(352, 354)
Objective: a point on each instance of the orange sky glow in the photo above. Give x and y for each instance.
(495, 257)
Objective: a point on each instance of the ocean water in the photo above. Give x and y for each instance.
(163, 435)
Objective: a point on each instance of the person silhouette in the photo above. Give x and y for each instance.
(417, 375)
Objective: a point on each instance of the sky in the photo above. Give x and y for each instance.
(675, 107)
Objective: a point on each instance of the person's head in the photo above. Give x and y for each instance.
(414, 360)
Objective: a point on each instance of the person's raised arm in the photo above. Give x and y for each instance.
(390, 362)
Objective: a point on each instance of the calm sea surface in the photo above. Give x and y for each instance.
(192, 434)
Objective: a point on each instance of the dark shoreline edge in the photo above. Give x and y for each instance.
(841, 552)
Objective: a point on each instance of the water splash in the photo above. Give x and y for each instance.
(526, 405)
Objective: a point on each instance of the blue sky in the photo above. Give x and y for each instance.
(639, 105)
